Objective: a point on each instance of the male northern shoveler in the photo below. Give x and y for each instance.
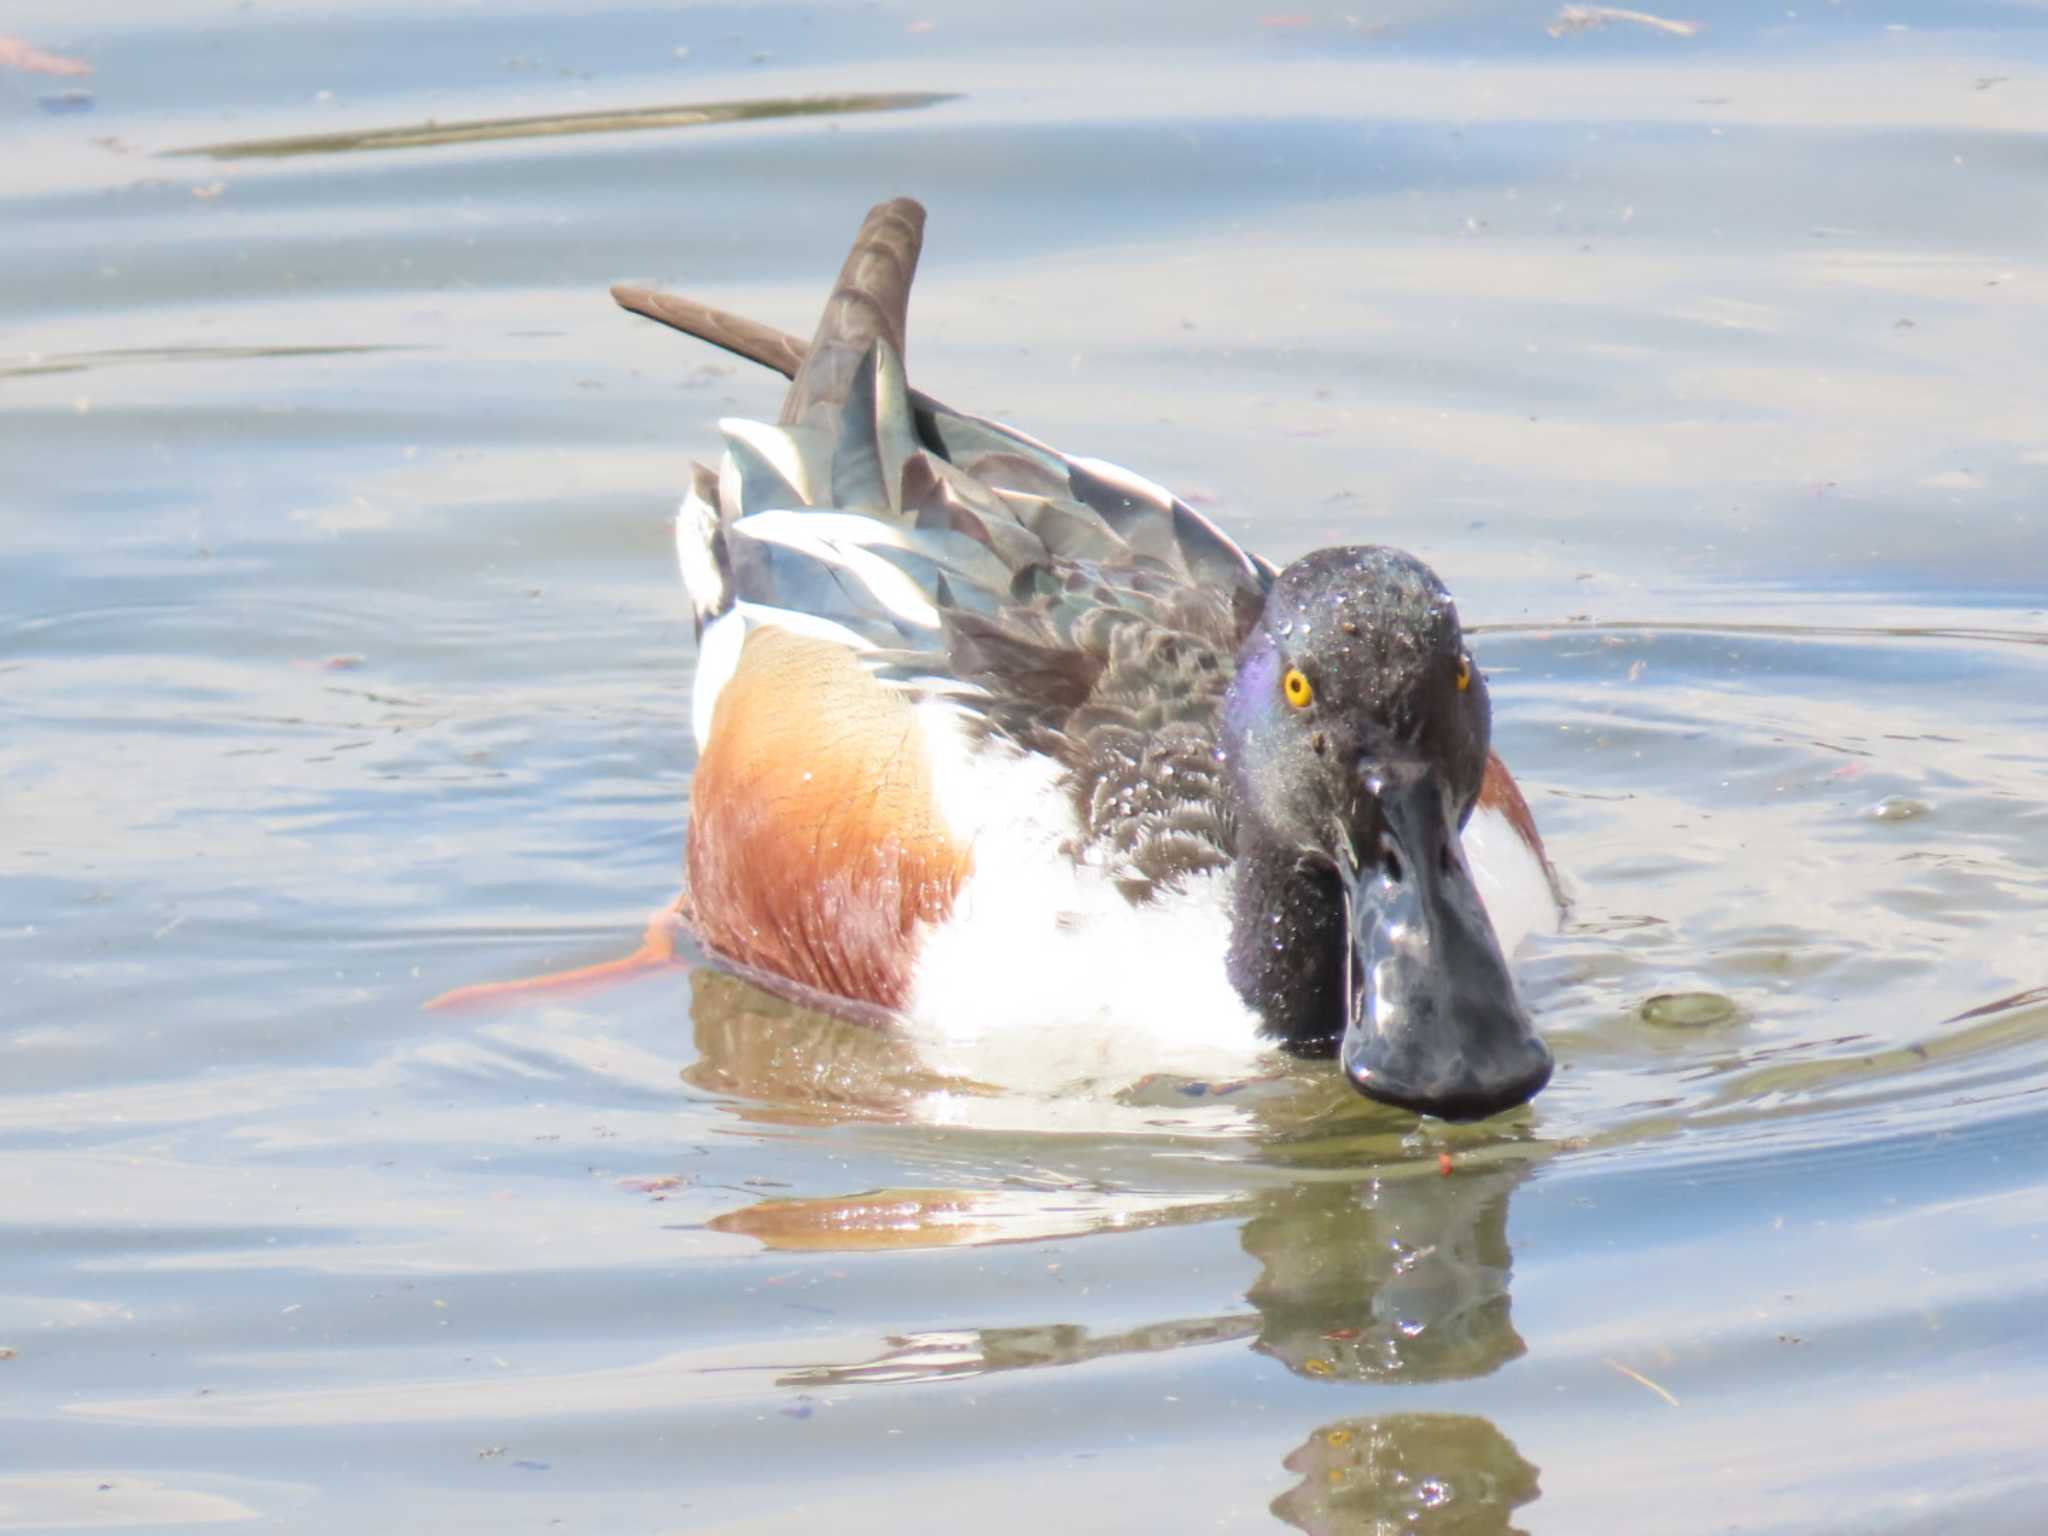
(995, 738)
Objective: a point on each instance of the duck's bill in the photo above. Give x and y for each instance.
(1434, 1024)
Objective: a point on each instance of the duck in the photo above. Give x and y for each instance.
(1003, 743)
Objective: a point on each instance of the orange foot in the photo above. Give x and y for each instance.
(657, 949)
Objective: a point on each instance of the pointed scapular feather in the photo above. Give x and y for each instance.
(1158, 523)
(1144, 520)
(700, 549)
(774, 466)
(967, 597)
(1068, 530)
(934, 552)
(860, 480)
(895, 422)
(1014, 473)
(842, 583)
(929, 480)
(1212, 557)
(939, 498)
(991, 451)
(922, 573)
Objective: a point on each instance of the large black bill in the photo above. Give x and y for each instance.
(1435, 1025)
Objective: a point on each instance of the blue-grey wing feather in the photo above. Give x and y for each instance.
(1064, 605)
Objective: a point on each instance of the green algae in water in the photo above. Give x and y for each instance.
(556, 124)
(1689, 1010)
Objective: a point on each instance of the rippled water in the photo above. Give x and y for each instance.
(341, 663)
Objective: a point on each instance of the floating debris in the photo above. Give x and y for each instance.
(1899, 808)
(1587, 18)
(1639, 1377)
(652, 1184)
(26, 57)
(64, 103)
(421, 135)
(1689, 1010)
(2025, 999)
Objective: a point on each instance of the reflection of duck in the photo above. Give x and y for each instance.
(793, 1062)
(993, 736)
(1402, 1278)
(1394, 1279)
(1419, 1474)
(783, 1059)
(1397, 1279)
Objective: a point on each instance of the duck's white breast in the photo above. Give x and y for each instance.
(1045, 978)
(1511, 879)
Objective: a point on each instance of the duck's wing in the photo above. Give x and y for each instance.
(1146, 518)
(1072, 607)
(853, 436)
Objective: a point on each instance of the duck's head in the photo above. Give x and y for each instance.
(1356, 735)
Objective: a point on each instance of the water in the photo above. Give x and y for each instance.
(341, 663)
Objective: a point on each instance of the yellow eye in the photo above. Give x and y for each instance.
(1295, 686)
(1464, 673)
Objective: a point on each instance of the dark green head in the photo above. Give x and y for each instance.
(1356, 733)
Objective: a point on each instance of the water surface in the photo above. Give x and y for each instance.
(341, 663)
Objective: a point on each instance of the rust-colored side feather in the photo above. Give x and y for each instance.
(815, 845)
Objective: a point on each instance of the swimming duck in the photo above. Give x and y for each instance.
(999, 739)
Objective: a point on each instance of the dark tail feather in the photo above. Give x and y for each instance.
(974, 445)
(871, 301)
